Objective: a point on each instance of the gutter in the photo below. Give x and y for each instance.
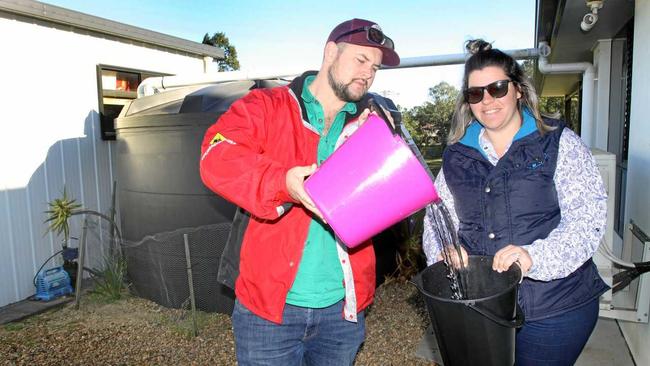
(588, 77)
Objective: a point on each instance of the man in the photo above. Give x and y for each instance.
(300, 294)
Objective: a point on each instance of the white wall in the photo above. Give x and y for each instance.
(49, 125)
(638, 174)
(603, 65)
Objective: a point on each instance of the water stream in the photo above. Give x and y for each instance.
(451, 253)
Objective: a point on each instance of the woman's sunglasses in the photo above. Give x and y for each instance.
(373, 35)
(497, 89)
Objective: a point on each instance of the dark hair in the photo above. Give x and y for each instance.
(482, 56)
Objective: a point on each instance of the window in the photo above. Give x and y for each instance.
(117, 86)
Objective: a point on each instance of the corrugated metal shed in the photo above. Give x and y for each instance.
(51, 125)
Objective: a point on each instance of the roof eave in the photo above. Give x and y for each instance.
(58, 15)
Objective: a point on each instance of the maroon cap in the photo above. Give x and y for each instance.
(366, 33)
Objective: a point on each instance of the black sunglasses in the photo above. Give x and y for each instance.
(497, 89)
(373, 35)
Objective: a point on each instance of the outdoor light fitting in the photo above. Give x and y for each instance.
(590, 19)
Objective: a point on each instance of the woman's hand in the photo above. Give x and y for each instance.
(452, 255)
(505, 257)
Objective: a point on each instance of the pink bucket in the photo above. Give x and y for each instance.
(369, 183)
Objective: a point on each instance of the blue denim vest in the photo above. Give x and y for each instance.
(515, 202)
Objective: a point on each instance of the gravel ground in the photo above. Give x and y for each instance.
(135, 331)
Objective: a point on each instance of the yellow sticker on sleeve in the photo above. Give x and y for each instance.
(219, 138)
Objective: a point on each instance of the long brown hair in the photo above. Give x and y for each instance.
(483, 55)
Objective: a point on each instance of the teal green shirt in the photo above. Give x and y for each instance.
(319, 282)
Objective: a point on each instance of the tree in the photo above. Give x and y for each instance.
(219, 39)
(547, 105)
(429, 123)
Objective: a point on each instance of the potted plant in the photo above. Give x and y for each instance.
(58, 216)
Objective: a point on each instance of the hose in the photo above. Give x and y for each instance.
(43, 265)
(89, 270)
(624, 278)
(603, 248)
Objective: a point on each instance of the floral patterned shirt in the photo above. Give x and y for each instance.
(583, 210)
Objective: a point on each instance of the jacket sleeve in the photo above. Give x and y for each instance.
(233, 163)
(583, 210)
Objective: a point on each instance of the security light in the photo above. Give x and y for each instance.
(590, 19)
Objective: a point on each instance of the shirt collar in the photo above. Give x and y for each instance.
(308, 97)
(528, 125)
(471, 137)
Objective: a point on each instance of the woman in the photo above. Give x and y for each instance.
(525, 189)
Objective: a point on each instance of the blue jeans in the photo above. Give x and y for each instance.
(306, 337)
(558, 340)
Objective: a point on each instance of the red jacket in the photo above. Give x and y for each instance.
(245, 158)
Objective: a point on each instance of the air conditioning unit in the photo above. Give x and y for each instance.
(632, 303)
(607, 165)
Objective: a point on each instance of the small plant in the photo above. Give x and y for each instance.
(410, 258)
(61, 209)
(110, 281)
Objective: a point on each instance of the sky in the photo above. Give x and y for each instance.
(285, 36)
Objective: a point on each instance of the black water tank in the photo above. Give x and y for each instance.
(158, 150)
(162, 197)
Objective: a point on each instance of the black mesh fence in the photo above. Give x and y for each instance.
(157, 268)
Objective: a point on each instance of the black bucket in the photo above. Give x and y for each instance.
(479, 330)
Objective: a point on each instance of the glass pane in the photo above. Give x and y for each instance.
(120, 80)
(127, 81)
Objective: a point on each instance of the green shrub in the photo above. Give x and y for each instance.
(110, 280)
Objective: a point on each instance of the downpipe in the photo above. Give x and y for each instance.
(155, 85)
(588, 76)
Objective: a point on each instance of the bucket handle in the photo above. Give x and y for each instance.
(517, 322)
(375, 107)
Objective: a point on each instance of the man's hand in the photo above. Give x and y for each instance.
(383, 113)
(366, 112)
(295, 180)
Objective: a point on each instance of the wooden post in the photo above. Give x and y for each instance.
(111, 248)
(191, 284)
(80, 268)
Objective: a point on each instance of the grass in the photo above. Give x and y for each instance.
(14, 327)
(179, 321)
(98, 298)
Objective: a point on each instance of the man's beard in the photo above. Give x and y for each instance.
(342, 91)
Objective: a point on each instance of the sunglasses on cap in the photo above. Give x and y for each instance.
(497, 89)
(373, 35)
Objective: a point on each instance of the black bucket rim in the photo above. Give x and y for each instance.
(468, 301)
